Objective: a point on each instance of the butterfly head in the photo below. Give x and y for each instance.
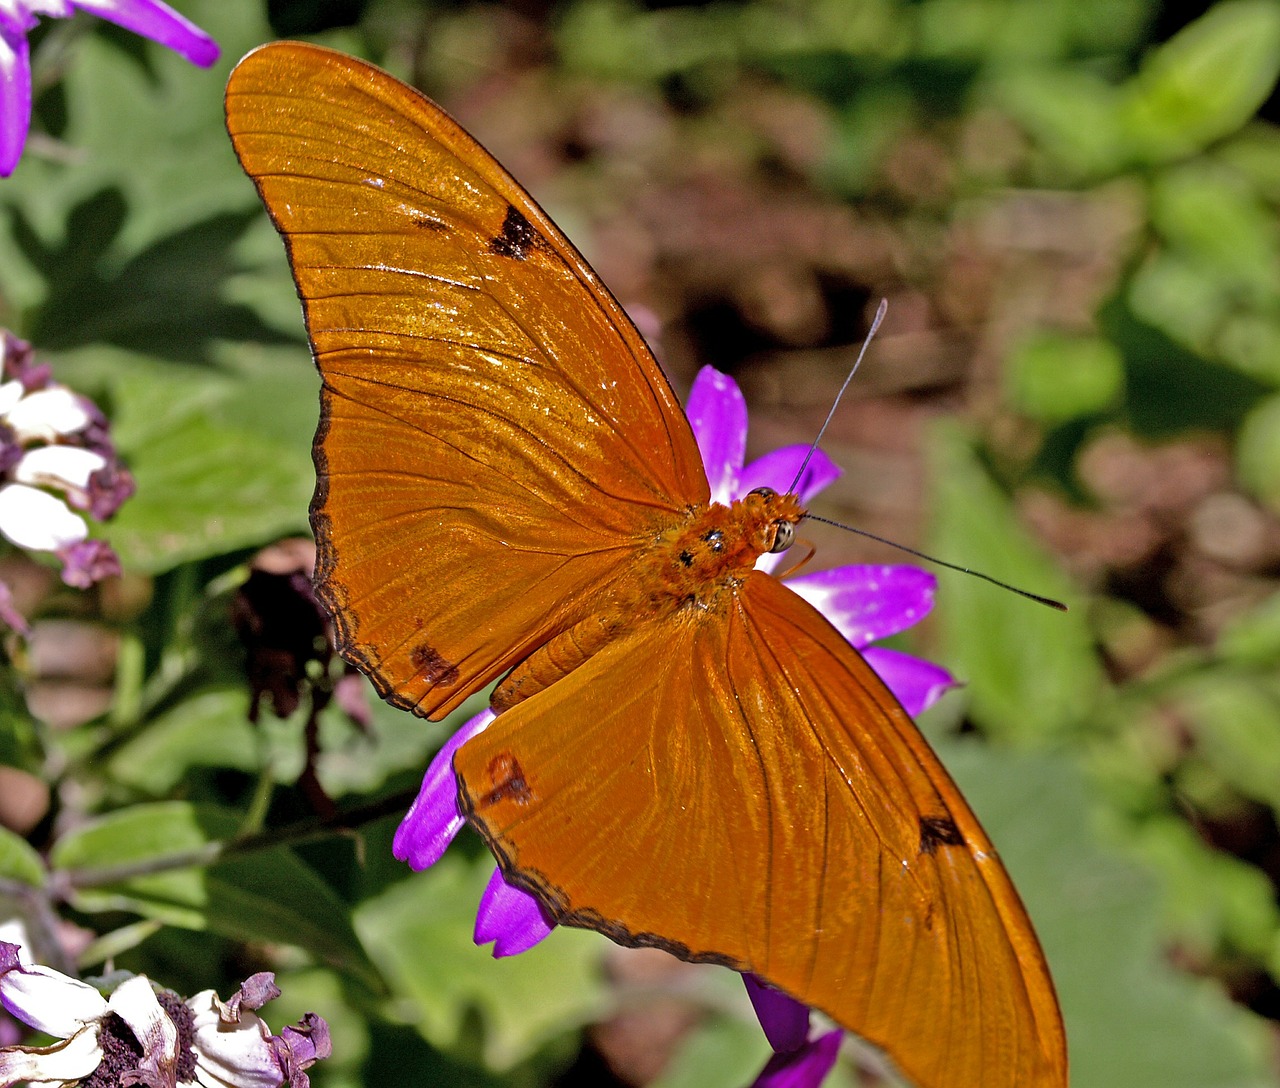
(777, 515)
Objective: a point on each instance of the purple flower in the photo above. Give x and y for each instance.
(140, 1034)
(54, 440)
(150, 18)
(433, 819)
(806, 1066)
(864, 603)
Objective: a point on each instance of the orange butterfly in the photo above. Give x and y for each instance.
(688, 755)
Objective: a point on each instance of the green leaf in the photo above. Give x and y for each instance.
(1255, 154)
(1258, 452)
(1172, 389)
(1030, 671)
(210, 729)
(1072, 114)
(1205, 82)
(19, 743)
(1250, 342)
(725, 1052)
(1213, 901)
(222, 460)
(1098, 916)
(1210, 214)
(1054, 378)
(19, 861)
(1254, 637)
(268, 895)
(419, 933)
(1233, 718)
(1178, 296)
(396, 741)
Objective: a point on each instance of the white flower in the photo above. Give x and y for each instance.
(56, 458)
(35, 520)
(79, 1017)
(139, 1036)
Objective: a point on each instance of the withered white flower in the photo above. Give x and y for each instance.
(57, 462)
(138, 1035)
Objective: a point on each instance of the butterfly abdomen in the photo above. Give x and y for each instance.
(557, 658)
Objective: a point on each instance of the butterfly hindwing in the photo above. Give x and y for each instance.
(740, 787)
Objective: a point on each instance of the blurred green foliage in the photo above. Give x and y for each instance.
(133, 253)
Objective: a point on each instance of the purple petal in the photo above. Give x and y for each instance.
(351, 694)
(804, 1068)
(88, 561)
(296, 1049)
(11, 1032)
(108, 488)
(256, 991)
(11, 450)
(19, 360)
(784, 1019)
(917, 684)
(160, 23)
(866, 603)
(9, 614)
(718, 415)
(15, 93)
(778, 469)
(309, 1042)
(510, 917)
(433, 819)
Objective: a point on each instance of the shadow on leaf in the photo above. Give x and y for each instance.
(167, 301)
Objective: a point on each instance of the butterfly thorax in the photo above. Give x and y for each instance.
(692, 565)
(695, 561)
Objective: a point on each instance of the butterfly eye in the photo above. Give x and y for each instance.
(763, 492)
(784, 535)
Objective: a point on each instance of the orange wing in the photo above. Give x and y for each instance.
(755, 790)
(496, 440)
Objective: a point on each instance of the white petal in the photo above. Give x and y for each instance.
(37, 520)
(64, 1063)
(50, 1001)
(134, 1001)
(49, 414)
(231, 1055)
(10, 392)
(58, 466)
(14, 930)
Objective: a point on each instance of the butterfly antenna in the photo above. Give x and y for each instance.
(875, 324)
(943, 563)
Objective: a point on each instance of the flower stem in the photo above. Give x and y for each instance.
(293, 834)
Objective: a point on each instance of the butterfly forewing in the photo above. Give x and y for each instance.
(491, 420)
(740, 787)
